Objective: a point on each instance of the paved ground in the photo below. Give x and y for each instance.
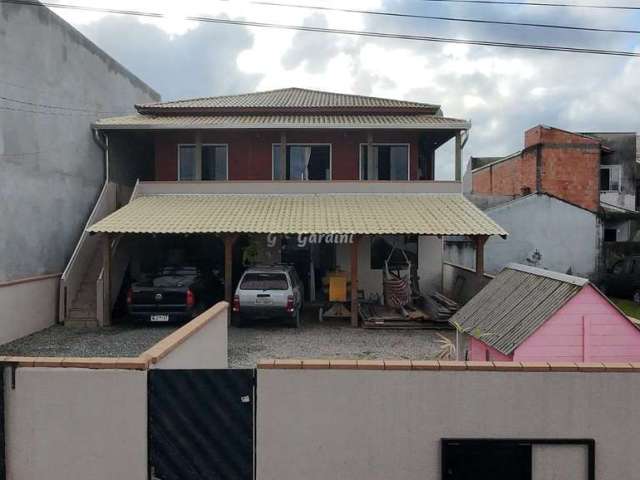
(329, 340)
(60, 341)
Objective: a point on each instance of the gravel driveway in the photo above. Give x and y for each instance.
(329, 340)
(115, 341)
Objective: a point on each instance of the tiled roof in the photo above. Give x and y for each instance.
(426, 214)
(286, 98)
(282, 121)
(515, 304)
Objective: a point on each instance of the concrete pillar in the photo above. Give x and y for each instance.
(106, 279)
(458, 154)
(480, 240)
(354, 281)
(198, 156)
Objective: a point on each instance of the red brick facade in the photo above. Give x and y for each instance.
(560, 163)
(250, 154)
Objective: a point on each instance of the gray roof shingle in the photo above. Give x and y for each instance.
(287, 98)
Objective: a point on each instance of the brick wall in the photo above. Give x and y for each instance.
(250, 154)
(569, 168)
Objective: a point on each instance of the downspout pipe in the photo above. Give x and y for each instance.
(102, 141)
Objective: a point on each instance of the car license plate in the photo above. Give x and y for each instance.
(159, 318)
(263, 300)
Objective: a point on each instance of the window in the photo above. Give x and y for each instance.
(264, 281)
(213, 164)
(382, 245)
(610, 176)
(610, 235)
(517, 459)
(390, 162)
(303, 162)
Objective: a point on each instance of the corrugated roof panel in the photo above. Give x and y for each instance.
(420, 121)
(287, 98)
(425, 214)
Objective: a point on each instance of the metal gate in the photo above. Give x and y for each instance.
(201, 424)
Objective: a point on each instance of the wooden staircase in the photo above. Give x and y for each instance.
(83, 311)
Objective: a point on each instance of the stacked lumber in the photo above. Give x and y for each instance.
(382, 316)
(442, 306)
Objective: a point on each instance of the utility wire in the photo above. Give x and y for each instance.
(55, 107)
(539, 4)
(360, 33)
(446, 19)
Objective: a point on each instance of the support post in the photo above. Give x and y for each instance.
(458, 152)
(354, 281)
(229, 240)
(106, 280)
(372, 165)
(198, 156)
(480, 240)
(283, 156)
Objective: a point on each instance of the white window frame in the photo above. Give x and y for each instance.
(226, 145)
(612, 168)
(302, 144)
(408, 145)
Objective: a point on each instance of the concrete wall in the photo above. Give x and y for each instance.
(204, 349)
(27, 306)
(461, 283)
(68, 423)
(543, 224)
(52, 170)
(347, 424)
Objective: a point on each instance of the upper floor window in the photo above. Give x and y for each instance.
(213, 165)
(302, 162)
(389, 162)
(610, 178)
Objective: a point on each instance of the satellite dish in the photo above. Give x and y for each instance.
(534, 257)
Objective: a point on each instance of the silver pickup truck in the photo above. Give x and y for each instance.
(265, 292)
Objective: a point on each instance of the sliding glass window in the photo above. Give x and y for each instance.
(302, 162)
(390, 162)
(213, 165)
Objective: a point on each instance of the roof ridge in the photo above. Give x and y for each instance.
(287, 89)
(541, 272)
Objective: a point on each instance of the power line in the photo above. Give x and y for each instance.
(446, 19)
(55, 107)
(41, 112)
(360, 33)
(538, 4)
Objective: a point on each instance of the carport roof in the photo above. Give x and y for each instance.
(423, 214)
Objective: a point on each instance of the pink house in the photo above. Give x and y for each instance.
(530, 314)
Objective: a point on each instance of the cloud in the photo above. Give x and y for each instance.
(502, 91)
(200, 62)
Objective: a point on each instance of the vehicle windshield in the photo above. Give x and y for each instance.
(264, 281)
(176, 270)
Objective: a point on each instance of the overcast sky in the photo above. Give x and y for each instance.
(502, 91)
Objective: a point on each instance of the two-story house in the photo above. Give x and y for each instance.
(322, 180)
(568, 198)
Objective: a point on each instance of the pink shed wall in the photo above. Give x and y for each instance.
(481, 352)
(587, 329)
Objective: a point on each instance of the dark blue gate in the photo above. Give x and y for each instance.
(201, 424)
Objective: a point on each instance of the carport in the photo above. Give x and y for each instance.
(349, 215)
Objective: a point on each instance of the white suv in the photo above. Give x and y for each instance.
(273, 291)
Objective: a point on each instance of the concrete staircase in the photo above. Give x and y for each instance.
(83, 311)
